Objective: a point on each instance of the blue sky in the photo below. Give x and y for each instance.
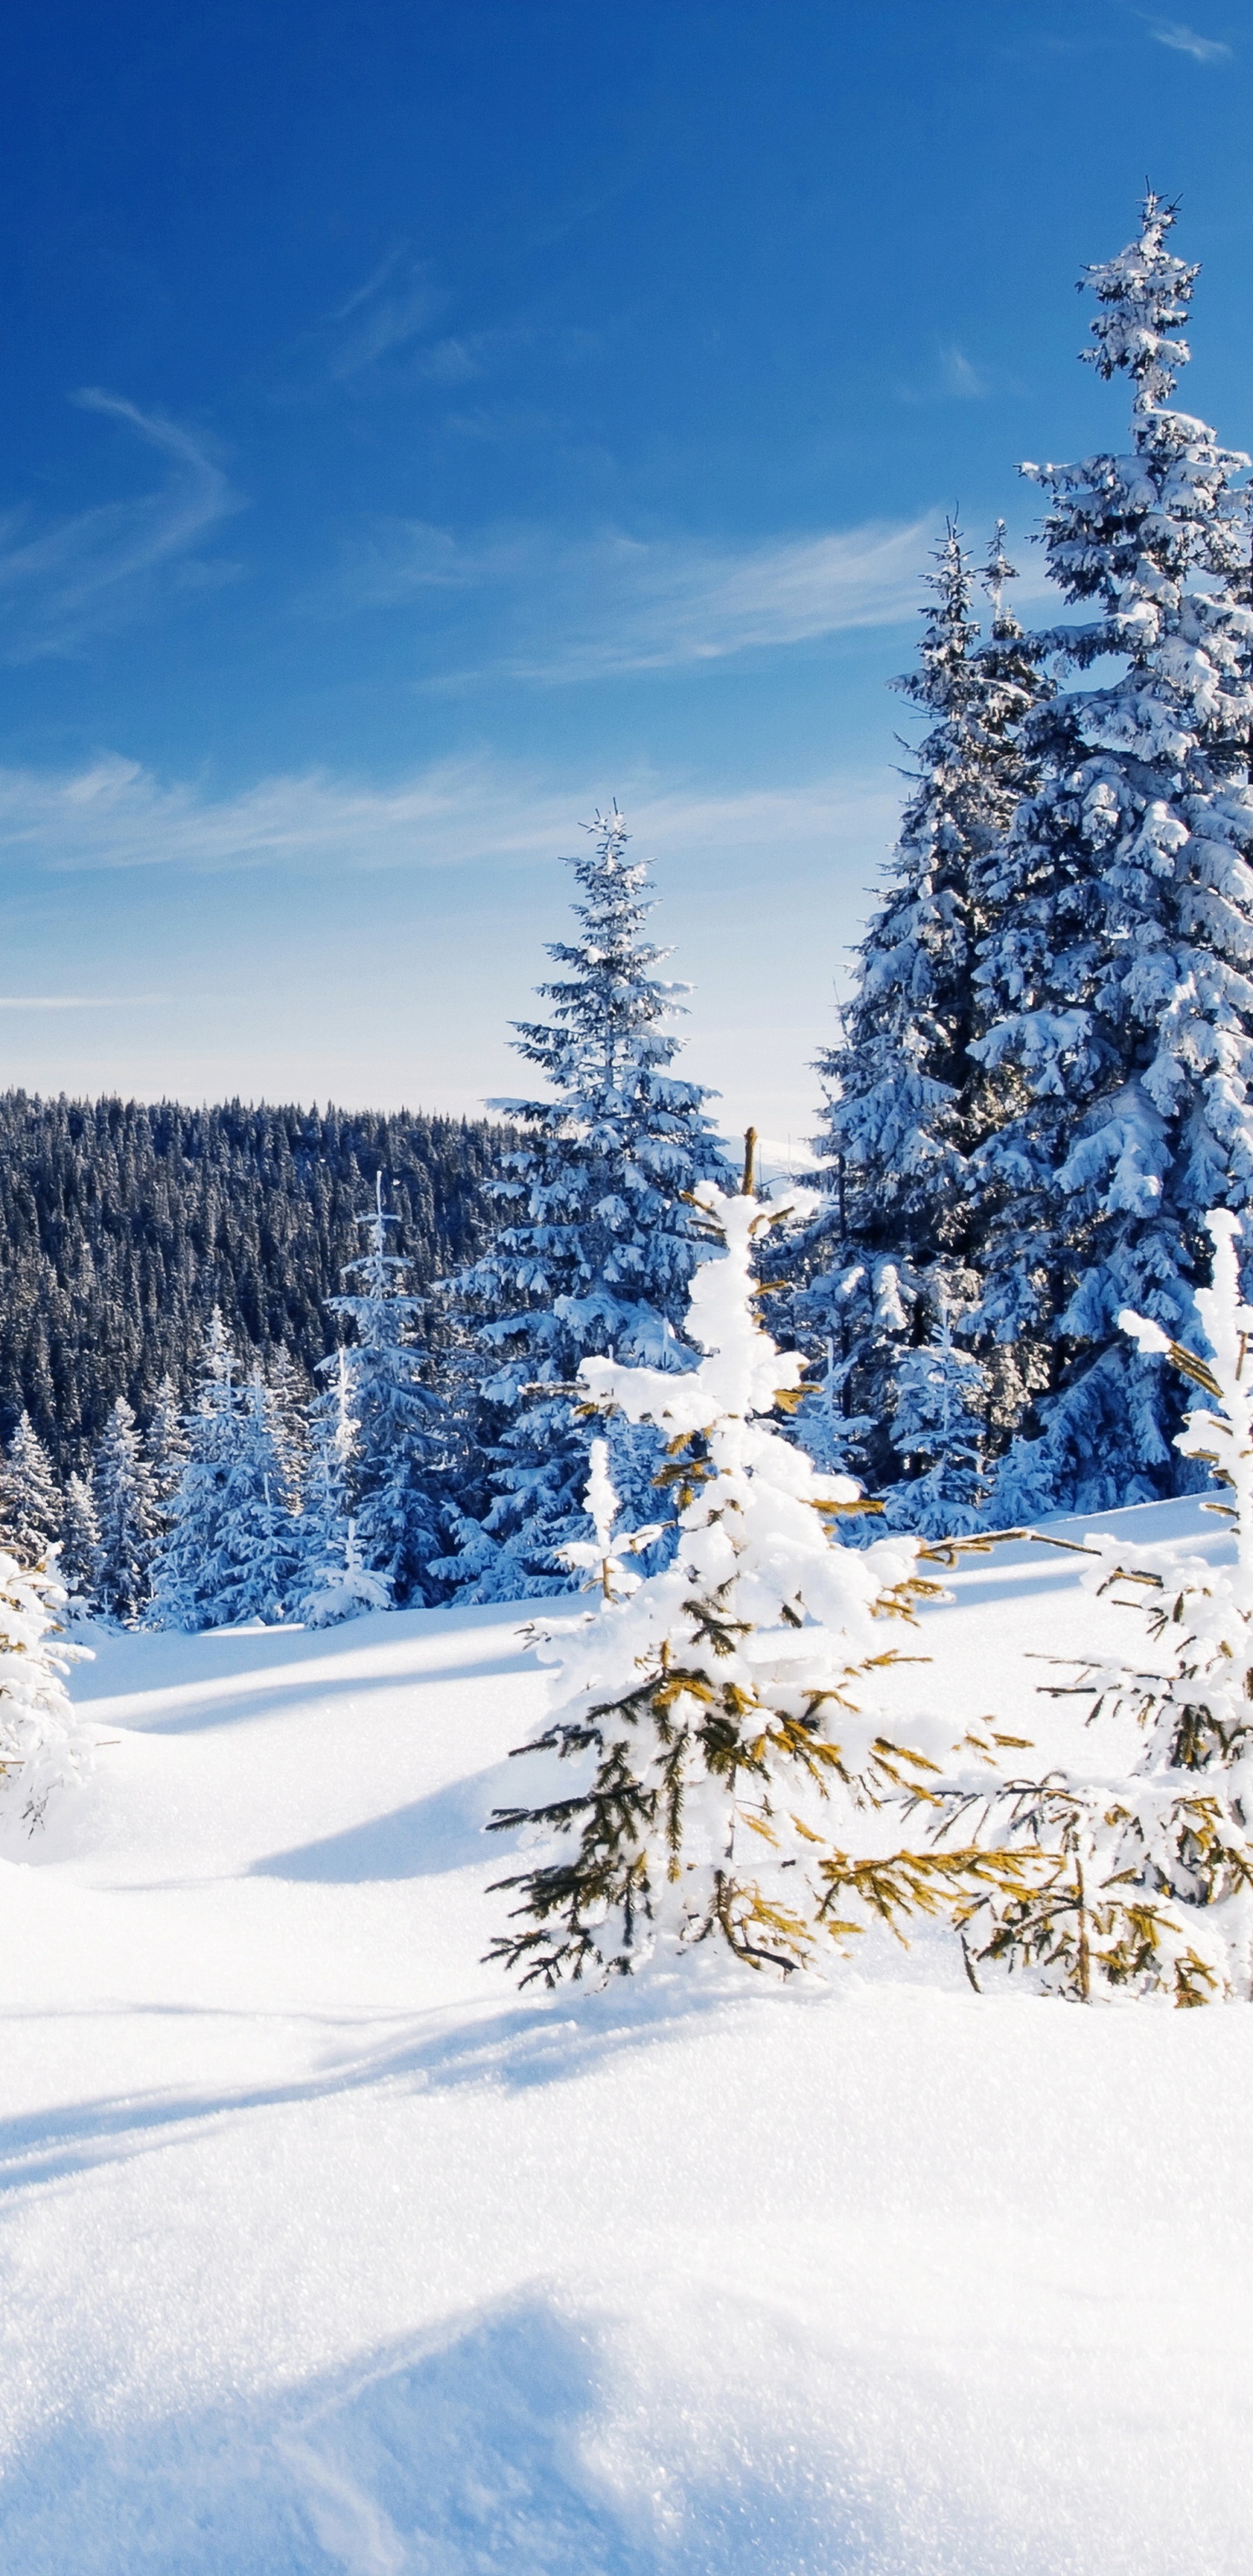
(428, 421)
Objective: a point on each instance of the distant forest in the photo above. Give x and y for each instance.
(123, 1224)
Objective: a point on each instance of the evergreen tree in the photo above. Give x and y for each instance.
(397, 1424)
(165, 1449)
(290, 1419)
(32, 1505)
(1141, 1878)
(79, 1561)
(890, 1257)
(938, 1430)
(714, 1714)
(1115, 984)
(598, 1243)
(123, 1223)
(44, 1745)
(126, 1518)
(333, 1582)
(231, 1551)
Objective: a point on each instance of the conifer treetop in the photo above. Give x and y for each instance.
(1144, 295)
(611, 1040)
(946, 677)
(744, 1373)
(379, 1304)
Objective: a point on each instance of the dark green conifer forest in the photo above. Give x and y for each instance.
(122, 1225)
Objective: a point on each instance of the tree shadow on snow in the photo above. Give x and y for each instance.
(491, 2449)
(443, 1831)
(259, 1696)
(526, 2044)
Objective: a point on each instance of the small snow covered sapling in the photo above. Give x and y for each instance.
(43, 1745)
(1143, 1879)
(938, 1428)
(605, 1555)
(713, 1712)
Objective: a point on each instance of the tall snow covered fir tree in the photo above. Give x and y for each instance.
(598, 1245)
(890, 1259)
(395, 1449)
(1115, 985)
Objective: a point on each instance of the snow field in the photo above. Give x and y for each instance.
(324, 2250)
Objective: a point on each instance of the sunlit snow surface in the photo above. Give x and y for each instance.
(323, 2250)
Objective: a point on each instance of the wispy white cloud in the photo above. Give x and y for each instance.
(86, 575)
(450, 814)
(575, 610)
(388, 323)
(385, 312)
(942, 371)
(1183, 39)
(388, 311)
(961, 377)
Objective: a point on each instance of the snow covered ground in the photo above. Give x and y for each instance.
(323, 2250)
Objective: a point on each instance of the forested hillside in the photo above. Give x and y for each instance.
(123, 1224)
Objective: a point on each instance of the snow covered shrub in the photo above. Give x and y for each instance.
(1143, 1879)
(43, 1746)
(719, 1715)
(344, 1590)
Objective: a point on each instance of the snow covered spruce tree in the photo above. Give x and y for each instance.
(29, 1496)
(127, 1521)
(1141, 1877)
(890, 1257)
(333, 1583)
(165, 1448)
(598, 1245)
(78, 1562)
(44, 1746)
(939, 1429)
(719, 1717)
(230, 1554)
(396, 1448)
(1115, 982)
(288, 1389)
